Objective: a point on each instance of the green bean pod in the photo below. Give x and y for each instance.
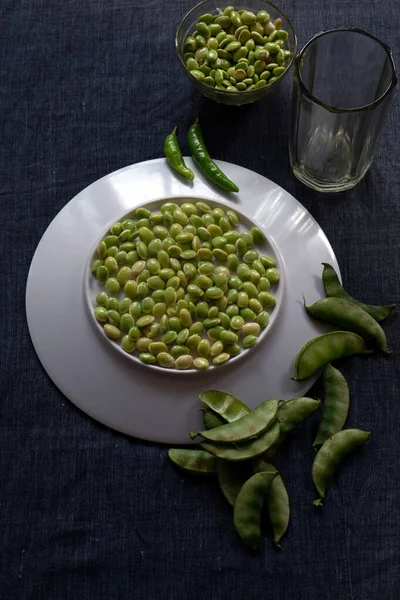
(248, 426)
(204, 161)
(248, 507)
(294, 411)
(194, 461)
(278, 509)
(334, 289)
(174, 156)
(290, 414)
(336, 405)
(231, 477)
(323, 349)
(349, 317)
(211, 419)
(331, 455)
(224, 404)
(238, 452)
(277, 501)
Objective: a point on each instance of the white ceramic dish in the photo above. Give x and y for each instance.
(93, 287)
(141, 402)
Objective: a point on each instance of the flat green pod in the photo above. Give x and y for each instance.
(326, 348)
(248, 507)
(248, 426)
(331, 455)
(224, 404)
(194, 461)
(336, 405)
(247, 450)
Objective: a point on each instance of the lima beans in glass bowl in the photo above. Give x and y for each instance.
(236, 55)
(184, 285)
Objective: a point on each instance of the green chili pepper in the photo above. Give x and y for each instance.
(205, 162)
(174, 155)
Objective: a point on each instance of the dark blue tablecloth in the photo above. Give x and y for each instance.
(86, 513)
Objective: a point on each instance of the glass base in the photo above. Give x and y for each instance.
(321, 185)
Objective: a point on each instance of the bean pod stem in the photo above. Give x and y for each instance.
(174, 156)
(205, 162)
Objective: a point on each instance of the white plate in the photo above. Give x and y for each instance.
(160, 406)
(93, 287)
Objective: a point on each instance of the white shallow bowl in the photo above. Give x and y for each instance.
(93, 287)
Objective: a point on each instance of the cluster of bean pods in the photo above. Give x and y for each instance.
(359, 332)
(238, 446)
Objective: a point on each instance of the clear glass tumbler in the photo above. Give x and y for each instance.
(342, 86)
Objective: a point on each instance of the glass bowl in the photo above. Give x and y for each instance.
(187, 27)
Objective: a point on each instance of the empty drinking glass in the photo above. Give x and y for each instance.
(341, 92)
